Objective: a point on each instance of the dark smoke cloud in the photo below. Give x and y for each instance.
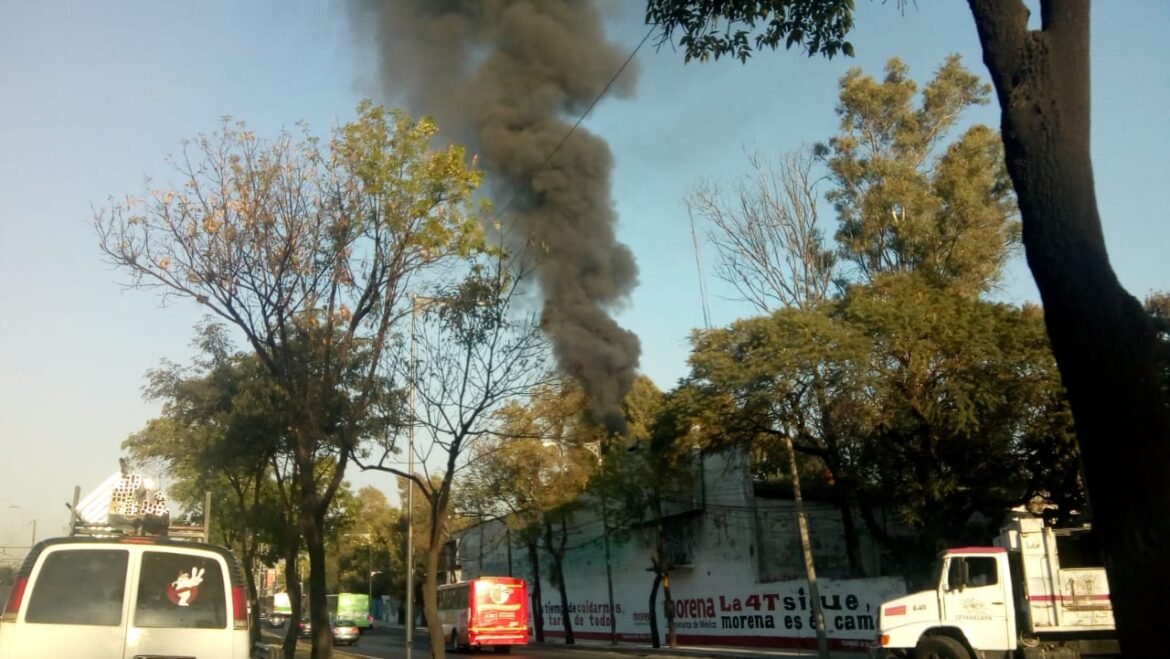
(506, 77)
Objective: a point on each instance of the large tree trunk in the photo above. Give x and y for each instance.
(668, 607)
(537, 600)
(249, 560)
(439, 508)
(556, 551)
(430, 596)
(1103, 340)
(292, 585)
(852, 537)
(313, 530)
(654, 640)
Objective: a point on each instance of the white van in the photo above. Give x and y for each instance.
(126, 597)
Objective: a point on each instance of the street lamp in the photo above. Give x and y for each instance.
(418, 304)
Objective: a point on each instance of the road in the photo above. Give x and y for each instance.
(390, 642)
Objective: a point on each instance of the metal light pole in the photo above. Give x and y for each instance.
(417, 304)
(414, 307)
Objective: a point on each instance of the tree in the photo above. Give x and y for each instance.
(221, 431)
(1104, 342)
(368, 557)
(965, 394)
(531, 475)
(476, 351)
(642, 478)
(799, 375)
(767, 233)
(306, 249)
(935, 405)
(909, 200)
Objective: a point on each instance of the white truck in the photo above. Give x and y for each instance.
(1038, 592)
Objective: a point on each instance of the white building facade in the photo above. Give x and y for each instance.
(737, 575)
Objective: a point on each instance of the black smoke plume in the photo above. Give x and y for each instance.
(508, 78)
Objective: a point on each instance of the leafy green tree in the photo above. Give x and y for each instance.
(473, 350)
(367, 556)
(797, 374)
(965, 394)
(643, 476)
(1105, 343)
(936, 405)
(221, 431)
(306, 248)
(531, 476)
(907, 200)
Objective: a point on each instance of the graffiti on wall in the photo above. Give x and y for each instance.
(766, 614)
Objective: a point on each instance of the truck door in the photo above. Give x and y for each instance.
(976, 596)
(180, 607)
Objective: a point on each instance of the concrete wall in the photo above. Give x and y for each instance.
(739, 577)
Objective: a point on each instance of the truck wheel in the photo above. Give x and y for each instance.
(940, 647)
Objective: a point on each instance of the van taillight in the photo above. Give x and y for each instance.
(15, 596)
(239, 608)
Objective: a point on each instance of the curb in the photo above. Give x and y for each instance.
(706, 652)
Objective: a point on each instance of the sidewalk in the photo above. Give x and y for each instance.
(645, 650)
(621, 647)
(712, 651)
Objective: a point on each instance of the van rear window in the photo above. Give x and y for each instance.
(178, 590)
(79, 587)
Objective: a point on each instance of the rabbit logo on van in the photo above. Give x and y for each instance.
(185, 589)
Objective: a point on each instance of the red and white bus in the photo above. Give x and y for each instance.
(485, 612)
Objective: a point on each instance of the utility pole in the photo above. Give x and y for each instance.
(414, 309)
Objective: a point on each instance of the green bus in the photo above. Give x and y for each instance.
(350, 606)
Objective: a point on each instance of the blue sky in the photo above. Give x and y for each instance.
(93, 98)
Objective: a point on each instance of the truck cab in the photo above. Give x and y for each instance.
(970, 606)
(1016, 598)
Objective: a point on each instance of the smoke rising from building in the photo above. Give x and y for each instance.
(507, 78)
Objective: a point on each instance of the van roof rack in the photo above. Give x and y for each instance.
(128, 505)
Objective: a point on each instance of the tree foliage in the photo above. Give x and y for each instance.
(710, 29)
(907, 199)
(473, 349)
(307, 248)
(767, 232)
(370, 549)
(1107, 346)
(903, 387)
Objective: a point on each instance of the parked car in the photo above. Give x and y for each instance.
(305, 627)
(345, 632)
(121, 597)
